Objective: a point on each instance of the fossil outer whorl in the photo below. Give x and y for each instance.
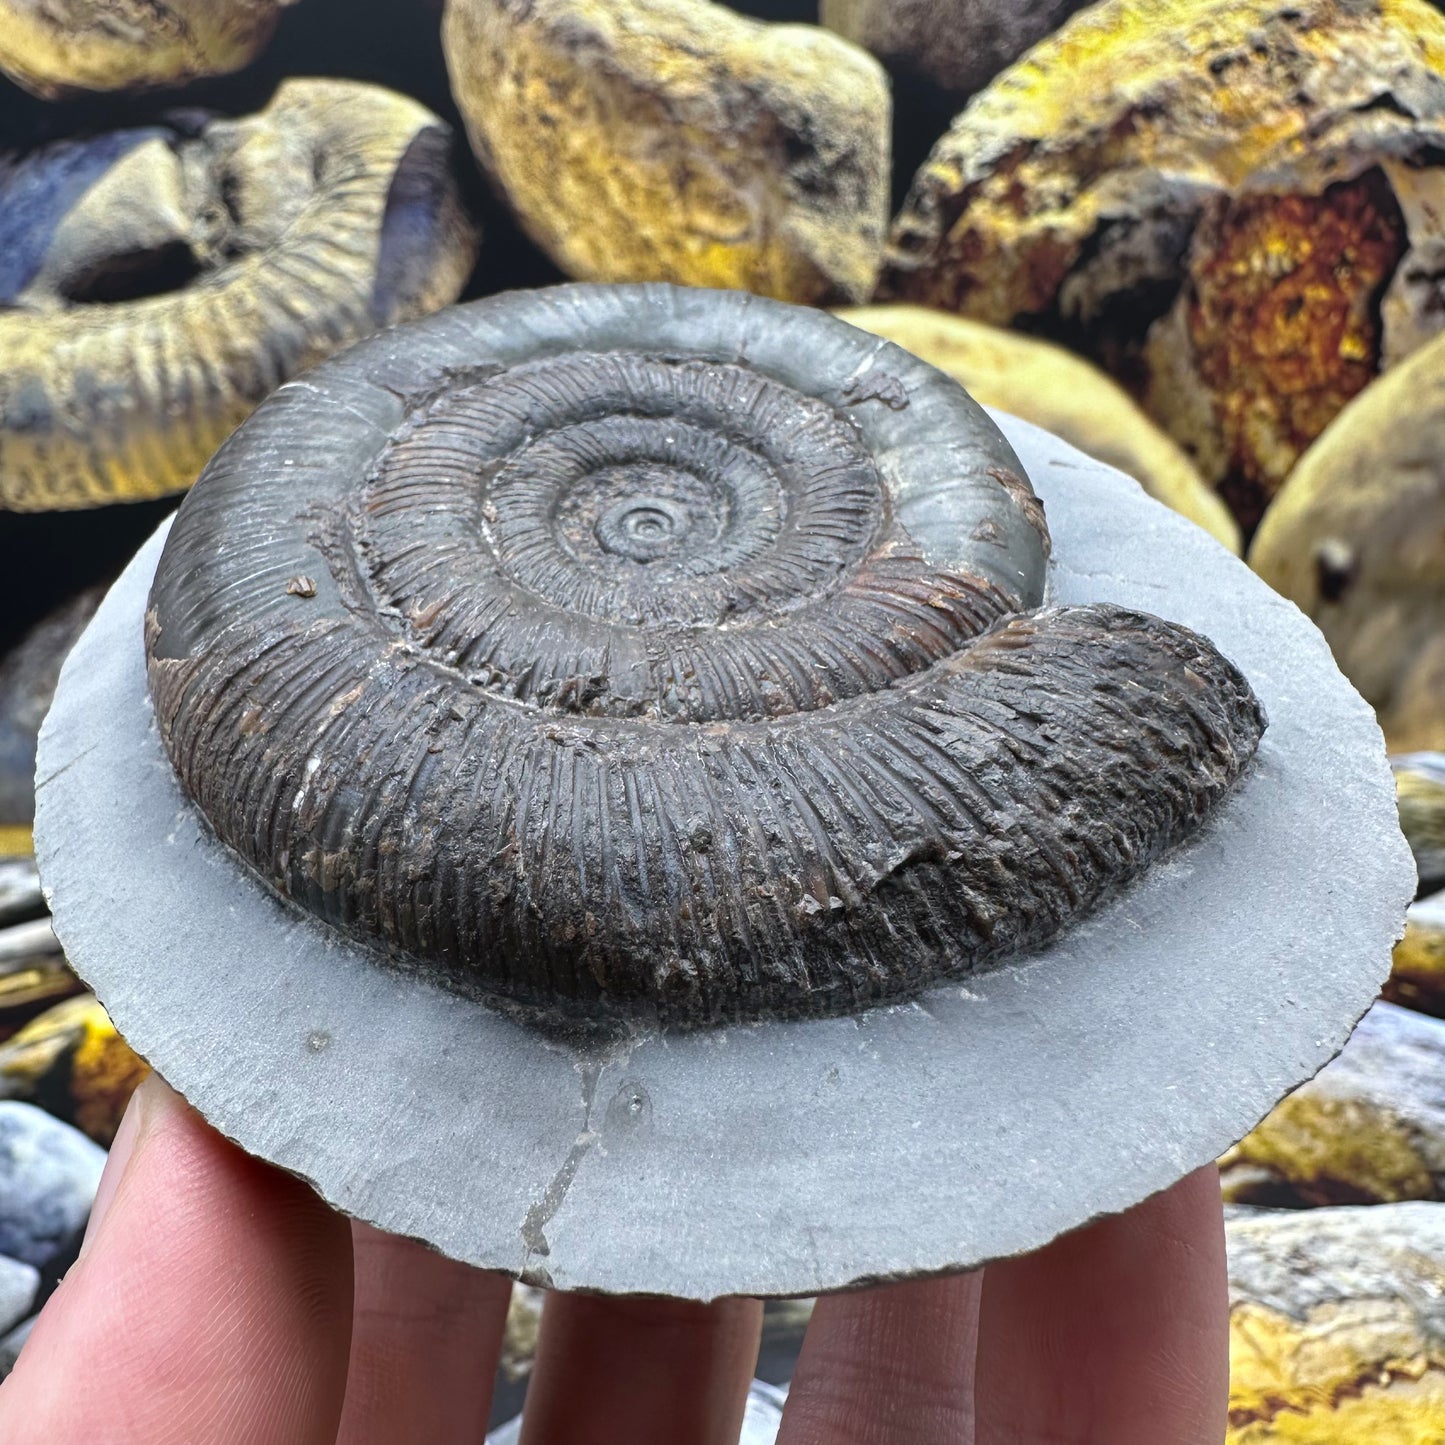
(655, 650)
(156, 283)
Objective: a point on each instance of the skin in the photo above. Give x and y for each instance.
(216, 1299)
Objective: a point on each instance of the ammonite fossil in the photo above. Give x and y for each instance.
(56, 47)
(668, 652)
(158, 282)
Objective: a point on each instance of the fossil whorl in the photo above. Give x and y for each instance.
(156, 283)
(614, 649)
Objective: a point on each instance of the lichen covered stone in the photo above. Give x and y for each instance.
(56, 47)
(673, 140)
(1235, 204)
(1336, 1326)
(1368, 1128)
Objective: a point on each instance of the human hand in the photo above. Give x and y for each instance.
(218, 1301)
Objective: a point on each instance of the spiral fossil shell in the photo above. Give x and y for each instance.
(649, 650)
(1059, 391)
(158, 282)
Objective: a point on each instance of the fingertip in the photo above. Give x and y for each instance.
(212, 1300)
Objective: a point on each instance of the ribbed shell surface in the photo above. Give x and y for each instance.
(649, 651)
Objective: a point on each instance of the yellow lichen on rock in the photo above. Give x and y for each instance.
(1369, 1127)
(71, 1061)
(1231, 202)
(1417, 971)
(54, 47)
(159, 283)
(1356, 538)
(1334, 1333)
(1054, 389)
(672, 140)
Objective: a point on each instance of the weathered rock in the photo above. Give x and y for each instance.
(1417, 974)
(1220, 227)
(1059, 391)
(157, 282)
(33, 972)
(11, 1344)
(673, 140)
(21, 900)
(55, 47)
(1368, 1128)
(1420, 787)
(1337, 1326)
(956, 45)
(19, 1285)
(72, 1063)
(48, 1177)
(1354, 540)
(27, 681)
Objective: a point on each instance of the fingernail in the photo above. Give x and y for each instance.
(138, 1114)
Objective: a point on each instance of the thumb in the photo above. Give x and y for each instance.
(210, 1305)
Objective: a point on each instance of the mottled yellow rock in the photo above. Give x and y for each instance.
(672, 140)
(155, 284)
(72, 1063)
(1356, 538)
(1417, 974)
(1369, 1127)
(1211, 196)
(1336, 1332)
(1055, 389)
(54, 47)
(1420, 795)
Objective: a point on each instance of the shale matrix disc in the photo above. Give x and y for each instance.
(625, 785)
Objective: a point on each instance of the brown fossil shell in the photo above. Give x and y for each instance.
(673, 140)
(158, 282)
(1354, 539)
(669, 652)
(1246, 227)
(1335, 1332)
(1059, 391)
(56, 47)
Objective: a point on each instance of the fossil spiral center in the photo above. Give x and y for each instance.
(642, 529)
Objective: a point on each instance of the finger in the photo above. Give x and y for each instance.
(641, 1369)
(211, 1302)
(1117, 1334)
(887, 1366)
(425, 1336)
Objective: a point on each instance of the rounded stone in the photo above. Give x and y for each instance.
(49, 1173)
